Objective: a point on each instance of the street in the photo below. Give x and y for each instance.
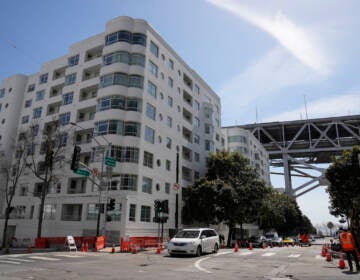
(270, 263)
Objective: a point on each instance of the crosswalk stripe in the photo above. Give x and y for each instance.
(68, 256)
(9, 262)
(44, 258)
(246, 253)
(267, 254)
(294, 255)
(19, 259)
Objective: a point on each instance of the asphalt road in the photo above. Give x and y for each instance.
(270, 264)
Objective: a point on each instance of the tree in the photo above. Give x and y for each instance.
(282, 213)
(231, 192)
(12, 173)
(53, 147)
(344, 188)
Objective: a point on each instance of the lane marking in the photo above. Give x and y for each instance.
(318, 257)
(44, 258)
(9, 262)
(294, 255)
(197, 265)
(276, 271)
(267, 254)
(223, 253)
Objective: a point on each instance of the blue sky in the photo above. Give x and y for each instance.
(264, 56)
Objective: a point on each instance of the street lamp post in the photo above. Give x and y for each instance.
(102, 175)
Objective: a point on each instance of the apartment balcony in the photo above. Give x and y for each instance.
(59, 73)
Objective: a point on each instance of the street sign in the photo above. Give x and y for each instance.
(109, 161)
(176, 186)
(82, 172)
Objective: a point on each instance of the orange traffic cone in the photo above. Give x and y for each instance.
(263, 245)
(341, 261)
(271, 245)
(158, 250)
(29, 249)
(113, 249)
(328, 256)
(86, 247)
(133, 249)
(82, 247)
(236, 248)
(250, 246)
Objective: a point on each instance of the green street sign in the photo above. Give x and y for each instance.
(82, 172)
(109, 161)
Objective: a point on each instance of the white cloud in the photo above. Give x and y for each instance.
(277, 69)
(332, 106)
(293, 37)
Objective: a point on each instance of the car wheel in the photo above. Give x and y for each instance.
(198, 251)
(216, 248)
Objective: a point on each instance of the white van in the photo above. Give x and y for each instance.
(194, 241)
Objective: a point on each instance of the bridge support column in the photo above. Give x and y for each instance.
(287, 175)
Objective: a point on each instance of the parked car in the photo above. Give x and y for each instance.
(273, 239)
(195, 241)
(257, 241)
(289, 241)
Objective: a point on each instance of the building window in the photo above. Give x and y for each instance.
(25, 119)
(43, 78)
(28, 103)
(153, 69)
(167, 188)
(171, 64)
(149, 134)
(2, 93)
(148, 159)
(168, 165)
(64, 118)
(119, 102)
(121, 79)
(71, 212)
(147, 185)
(154, 49)
(170, 82)
(197, 89)
(67, 98)
(37, 113)
(196, 156)
(40, 95)
(168, 142)
(237, 139)
(126, 36)
(124, 57)
(70, 79)
(49, 211)
(197, 105)
(145, 213)
(169, 121)
(74, 60)
(117, 127)
(93, 210)
(209, 146)
(150, 111)
(170, 101)
(196, 122)
(152, 89)
(196, 139)
(125, 154)
(132, 213)
(31, 88)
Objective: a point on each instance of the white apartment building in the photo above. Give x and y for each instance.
(128, 87)
(243, 141)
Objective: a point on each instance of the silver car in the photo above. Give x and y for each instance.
(195, 241)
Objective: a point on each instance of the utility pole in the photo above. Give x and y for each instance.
(177, 193)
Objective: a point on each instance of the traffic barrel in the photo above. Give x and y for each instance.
(29, 249)
(250, 246)
(82, 247)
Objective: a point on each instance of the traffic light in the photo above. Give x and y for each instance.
(165, 206)
(158, 207)
(75, 158)
(111, 205)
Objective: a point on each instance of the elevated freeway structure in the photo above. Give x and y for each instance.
(300, 146)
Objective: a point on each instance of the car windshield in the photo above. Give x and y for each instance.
(188, 234)
(270, 235)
